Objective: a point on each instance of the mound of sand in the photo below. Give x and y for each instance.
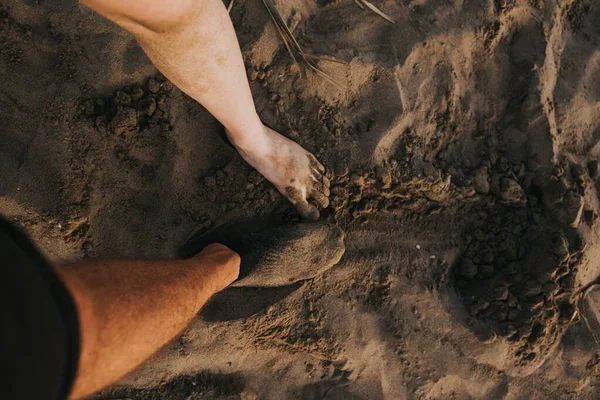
(463, 147)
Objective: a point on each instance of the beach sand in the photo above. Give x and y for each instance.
(462, 142)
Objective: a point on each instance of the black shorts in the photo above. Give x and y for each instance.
(39, 339)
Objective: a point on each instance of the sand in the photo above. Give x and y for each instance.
(463, 148)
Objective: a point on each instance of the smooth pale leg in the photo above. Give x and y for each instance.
(193, 44)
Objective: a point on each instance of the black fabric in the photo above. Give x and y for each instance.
(39, 339)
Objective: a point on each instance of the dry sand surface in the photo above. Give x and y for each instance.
(463, 146)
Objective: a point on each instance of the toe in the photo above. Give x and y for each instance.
(307, 210)
(315, 173)
(321, 182)
(319, 190)
(321, 200)
(317, 186)
(294, 195)
(314, 163)
(326, 185)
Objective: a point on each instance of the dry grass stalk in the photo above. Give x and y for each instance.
(364, 3)
(293, 47)
(358, 3)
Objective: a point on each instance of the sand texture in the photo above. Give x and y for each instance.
(463, 146)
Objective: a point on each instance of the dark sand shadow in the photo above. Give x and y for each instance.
(183, 387)
(238, 303)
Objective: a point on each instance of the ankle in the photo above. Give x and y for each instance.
(250, 142)
(218, 264)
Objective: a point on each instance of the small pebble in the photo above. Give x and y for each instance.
(481, 181)
(210, 182)
(137, 93)
(123, 98)
(162, 103)
(153, 85)
(148, 106)
(500, 293)
(500, 315)
(511, 191)
(167, 86)
(512, 314)
(512, 301)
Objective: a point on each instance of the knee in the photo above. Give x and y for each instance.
(165, 16)
(155, 16)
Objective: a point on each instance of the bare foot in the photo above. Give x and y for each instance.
(294, 171)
